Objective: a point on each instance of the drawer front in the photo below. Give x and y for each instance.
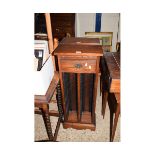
(78, 66)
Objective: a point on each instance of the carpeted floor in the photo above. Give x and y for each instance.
(101, 134)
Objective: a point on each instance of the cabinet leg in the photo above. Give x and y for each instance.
(46, 118)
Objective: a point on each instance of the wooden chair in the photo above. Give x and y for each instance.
(42, 102)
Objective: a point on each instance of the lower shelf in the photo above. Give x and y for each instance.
(72, 117)
(85, 122)
(79, 94)
(86, 117)
(79, 126)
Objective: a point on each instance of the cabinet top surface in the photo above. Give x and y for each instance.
(81, 41)
(76, 50)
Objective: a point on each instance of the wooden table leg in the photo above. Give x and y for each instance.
(104, 101)
(46, 118)
(100, 84)
(114, 106)
(117, 113)
(111, 124)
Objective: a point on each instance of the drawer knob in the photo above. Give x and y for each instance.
(86, 64)
(89, 67)
(78, 65)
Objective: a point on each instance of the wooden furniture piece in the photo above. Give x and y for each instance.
(114, 106)
(110, 72)
(63, 24)
(59, 24)
(78, 68)
(80, 41)
(42, 102)
(49, 31)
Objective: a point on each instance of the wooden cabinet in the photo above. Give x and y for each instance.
(80, 41)
(62, 24)
(78, 68)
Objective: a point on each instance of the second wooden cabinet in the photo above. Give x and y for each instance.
(63, 24)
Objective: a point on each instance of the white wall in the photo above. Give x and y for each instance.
(110, 24)
(85, 22)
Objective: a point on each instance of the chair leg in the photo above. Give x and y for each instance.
(46, 118)
(60, 109)
(59, 102)
(57, 129)
(117, 113)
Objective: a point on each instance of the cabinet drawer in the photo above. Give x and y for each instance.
(78, 66)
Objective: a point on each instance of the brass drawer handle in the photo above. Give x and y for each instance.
(78, 66)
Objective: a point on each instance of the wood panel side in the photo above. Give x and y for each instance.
(95, 90)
